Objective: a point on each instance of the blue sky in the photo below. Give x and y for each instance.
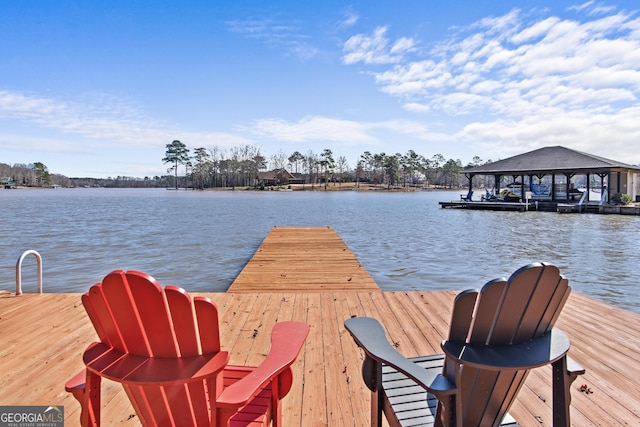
(98, 88)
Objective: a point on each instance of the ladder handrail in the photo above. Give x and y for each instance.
(19, 270)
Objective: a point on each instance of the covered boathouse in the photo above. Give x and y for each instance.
(558, 174)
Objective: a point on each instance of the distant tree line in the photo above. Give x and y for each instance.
(37, 175)
(240, 167)
(32, 175)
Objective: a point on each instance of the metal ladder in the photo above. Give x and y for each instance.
(19, 271)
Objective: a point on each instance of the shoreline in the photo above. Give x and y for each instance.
(347, 186)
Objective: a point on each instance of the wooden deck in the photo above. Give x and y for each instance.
(303, 259)
(42, 338)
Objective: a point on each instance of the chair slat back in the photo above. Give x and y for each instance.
(510, 311)
(184, 325)
(115, 313)
(207, 318)
(132, 313)
(154, 323)
(488, 307)
(195, 322)
(462, 315)
(504, 312)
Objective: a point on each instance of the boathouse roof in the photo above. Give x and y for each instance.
(551, 159)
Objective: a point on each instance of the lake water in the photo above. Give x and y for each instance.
(202, 240)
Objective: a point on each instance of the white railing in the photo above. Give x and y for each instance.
(19, 270)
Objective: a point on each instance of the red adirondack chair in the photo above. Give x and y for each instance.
(164, 348)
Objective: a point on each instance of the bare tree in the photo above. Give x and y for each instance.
(202, 167)
(342, 166)
(279, 160)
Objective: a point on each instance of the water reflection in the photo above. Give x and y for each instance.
(202, 240)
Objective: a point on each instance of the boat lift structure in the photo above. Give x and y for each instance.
(549, 174)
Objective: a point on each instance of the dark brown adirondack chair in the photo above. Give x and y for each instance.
(496, 336)
(164, 347)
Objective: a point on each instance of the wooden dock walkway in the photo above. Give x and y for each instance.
(42, 338)
(303, 259)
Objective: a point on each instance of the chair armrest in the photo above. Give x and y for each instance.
(139, 370)
(76, 383)
(370, 336)
(537, 352)
(287, 339)
(574, 368)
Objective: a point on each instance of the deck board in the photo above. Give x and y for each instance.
(42, 347)
(42, 338)
(307, 259)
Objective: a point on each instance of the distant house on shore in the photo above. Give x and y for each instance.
(6, 182)
(278, 177)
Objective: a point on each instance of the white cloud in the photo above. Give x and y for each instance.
(523, 77)
(376, 48)
(582, 6)
(350, 19)
(592, 8)
(104, 122)
(535, 31)
(501, 26)
(287, 35)
(313, 128)
(602, 134)
(417, 107)
(347, 133)
(15, 142)
(555, 52)
(104, 119)
(265, 29)
(415, 78)
(20, 106)
(402, 45)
